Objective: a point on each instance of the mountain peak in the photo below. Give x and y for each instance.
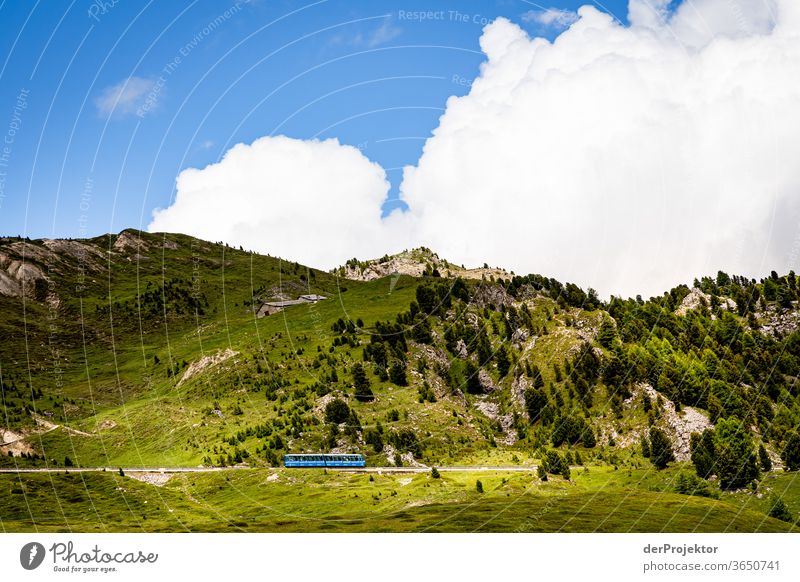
(417, 262)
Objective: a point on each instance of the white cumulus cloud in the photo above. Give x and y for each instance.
(318, 202)
(626, 158)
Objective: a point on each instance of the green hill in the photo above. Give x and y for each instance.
(147, 350)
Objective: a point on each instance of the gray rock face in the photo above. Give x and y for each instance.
(486, 381)
(461, 349)
(696, 298)
(778, 322)
(486, 295)
(492, 411)
(519, 336)
(18, 277)
(678, 426)
(518, 388)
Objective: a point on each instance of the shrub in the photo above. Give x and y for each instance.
(555, 464)
(778, 510)
(478, 486)
(435, 473)
(690, 484)
(406, 440)
(373, 437)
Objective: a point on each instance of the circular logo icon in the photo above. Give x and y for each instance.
(31, 555)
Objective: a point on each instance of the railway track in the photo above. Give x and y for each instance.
(379, 470)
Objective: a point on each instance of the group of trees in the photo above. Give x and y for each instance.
(727, 451)
(711, 358)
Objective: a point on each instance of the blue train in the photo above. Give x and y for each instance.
(324, 460)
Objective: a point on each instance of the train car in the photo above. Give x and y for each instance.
(324, 460)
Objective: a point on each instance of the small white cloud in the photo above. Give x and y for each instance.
(124, 98)
(386, 32)
(554, 18)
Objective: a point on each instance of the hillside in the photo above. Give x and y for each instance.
(144, 349)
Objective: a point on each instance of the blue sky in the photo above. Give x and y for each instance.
(202, 76)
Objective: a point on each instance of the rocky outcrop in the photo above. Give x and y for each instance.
(696, 298)
(779, 322)
(200, 365)
(18, 276)
(414, 263)
(678, 426)
(486, 381)
(130, 242)
(491, 295)
(461, 349)
(518, 387)
(519, 337)
(492, 410)
(87, 255)
(157, 479)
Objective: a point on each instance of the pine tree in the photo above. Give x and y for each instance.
(778, 510)
(588, 439)
(397, 373)
(645, 447)
(701, 448)
(336, 412)
(607, 333)
(660, 449)
(541, 472)
(361, 383)
(503, 361)
(535, 401)
(791, 451)
(763, 459)
(734, 454)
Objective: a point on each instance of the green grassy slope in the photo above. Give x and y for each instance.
(306, 500)
(144, 350)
